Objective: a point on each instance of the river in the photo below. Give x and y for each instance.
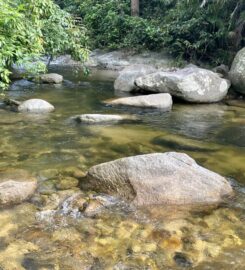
(118, 238)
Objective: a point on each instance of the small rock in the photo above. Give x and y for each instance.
(67, 183)
(51, 78)
(14, 192)
(97, 203)
(16, 186)
(73, 172)
(92, 208)
(35, 106)
(182, 260)
(77, 201)
(48, 174)
(47, 187)
(158, 101)
(94, 119)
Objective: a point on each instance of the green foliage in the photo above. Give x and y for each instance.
(189, 29)
(112, 26)
(31, 28)
(197, 32)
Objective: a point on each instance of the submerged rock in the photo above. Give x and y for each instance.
(75, 205)
(67, 183)
(51, 78)
(16, 186)
(191, 84)
(95, 119)
(12, 257)
(160, 178)
(97, 203)
(156, 101)
(73, 172)
(35, 106)
(20, 84)
(125, 80)
(182, 260)
(236, 103)
(181, 143)
(237, 72)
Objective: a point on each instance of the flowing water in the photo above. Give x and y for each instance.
(35, 235)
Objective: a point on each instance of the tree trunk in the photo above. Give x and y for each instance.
(135, 7)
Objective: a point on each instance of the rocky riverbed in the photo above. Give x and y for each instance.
(61, 226)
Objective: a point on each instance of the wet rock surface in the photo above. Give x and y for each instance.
(191, 84)
(169, 178)
(16, 186)
(132, 241)
(96, 119)
(237, 72)
(20, 84)
(51, 78)
(76, 205)
(35, 106)
(125, 80)
(115, 236)
(158, 101)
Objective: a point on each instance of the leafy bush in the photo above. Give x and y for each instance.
(200, 32)
(112, 26)
(31, 28)
(189, 29)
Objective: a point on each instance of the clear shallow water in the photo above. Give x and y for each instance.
(117, 238)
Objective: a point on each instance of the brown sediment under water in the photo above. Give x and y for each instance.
(51, 146)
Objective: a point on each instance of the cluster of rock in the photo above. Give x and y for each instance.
(116, 60)
(191, 84)
(154, 179)
(160, 178)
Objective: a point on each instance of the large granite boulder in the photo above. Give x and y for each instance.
(237, 72)
(16, 186)
(125, 80)
(96, 119)
(156, 101)
(35, 106)
(191, 84)
(160, 178)
(52, 78)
